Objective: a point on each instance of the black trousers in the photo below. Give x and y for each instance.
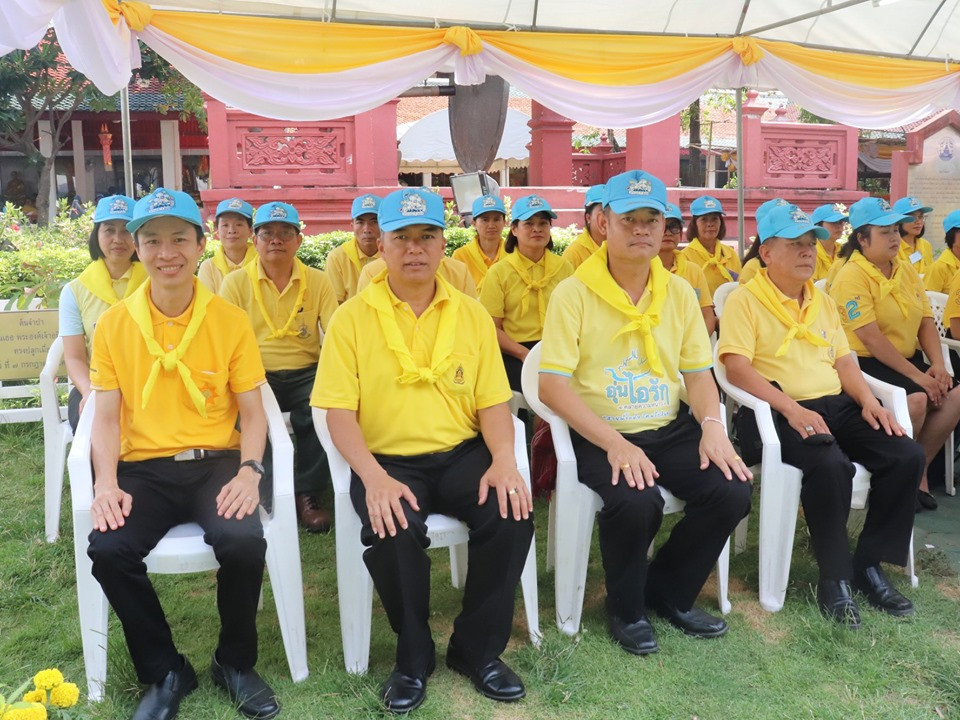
(630, 518)
(167, 493)
(447, 483)
(73, 408)
(895, 465)
(293, 388)
(514, 366)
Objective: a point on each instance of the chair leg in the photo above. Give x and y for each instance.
(286, 579)
(55, 456)
(575, 515)
(354, 589)
(458, 565)
(911, 568)
(948, 456)
(93, 622)
(552, 535)
(723, 578)
(779, 502)
(740, 536)
(528, 583)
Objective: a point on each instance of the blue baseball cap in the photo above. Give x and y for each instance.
(114, 207)
(827, 213)
(164, 203)
(704, 205)
(907, 205)
(411, 206)
(487, 203)
(673, 212)
(788, 221)
(951, 221)
(594, 195)
(235, 205)
(874, 211)
(528, 206)
(276, 212)
(634, 189)
(365, 204)
(766, 207)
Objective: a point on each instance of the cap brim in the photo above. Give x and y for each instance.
(111, 217)
(834, 217)
(354, 216)
(530, 213)
(138, 223)
(889, 219)
(391, 225)
(241, 213)
(490, 210)
(625, 205)
(292, 223)
(795, 231)
(706, 212)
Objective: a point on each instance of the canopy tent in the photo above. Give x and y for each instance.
(428, 139)
(319, 59)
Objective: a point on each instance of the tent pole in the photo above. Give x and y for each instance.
(127, 145)
(740, 166)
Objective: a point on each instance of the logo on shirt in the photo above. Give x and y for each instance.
(278, 212)
(161, 200)
(119, 206)
(853, 310)
(412, 204)
(368, 202)
(458, 375)
(235, 204)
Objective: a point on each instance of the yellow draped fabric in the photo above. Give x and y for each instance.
(136, 14)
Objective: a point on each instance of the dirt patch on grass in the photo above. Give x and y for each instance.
(950, 588)
(760, 620)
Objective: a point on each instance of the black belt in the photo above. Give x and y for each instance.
(200, 454)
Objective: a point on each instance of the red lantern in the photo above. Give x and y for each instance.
(105, 139)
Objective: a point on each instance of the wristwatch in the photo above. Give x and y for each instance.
(256, 465)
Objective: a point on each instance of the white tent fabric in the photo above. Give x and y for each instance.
(428, 139)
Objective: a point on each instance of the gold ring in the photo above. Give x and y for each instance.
(737, 457)
(625, 466)
(513, 491)
(249, 498)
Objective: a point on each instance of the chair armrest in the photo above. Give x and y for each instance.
(78, 462)
(280, 443)
(339, 468)
(761, 411)
(893, 398)
(49, 402)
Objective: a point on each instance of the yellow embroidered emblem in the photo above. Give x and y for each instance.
(458, 375)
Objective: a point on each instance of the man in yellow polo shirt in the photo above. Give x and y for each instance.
(783, 342)
(289, 305)
(345, 262)
(592, 236)
(453, 271)
(173, 366)
(416, 399)
(489, 219)
(618, 336)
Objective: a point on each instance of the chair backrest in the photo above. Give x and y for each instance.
(821, 284)
(49, 400)
(720, 296)
(938, 303)
(530, 383)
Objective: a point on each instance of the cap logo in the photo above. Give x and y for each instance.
(914, 202)
(799, 216)
(780, 202)
(368, 202)
(489, 202)
(161, 200)
(412, 204)
(884, 205)
(639, 187)
(119, 205)
(535, 202)
(838, 207)
(278, 212)
(235, 204)
(709, 203)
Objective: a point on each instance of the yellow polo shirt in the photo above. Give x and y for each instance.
(582, 247)
(727, 256)
(358, 371)
(692, 273)
(750, 268)
(921, 258)
(453, 271)
(223, 362)
(858, 298)
(476, 260)
(211, 276)
(579, 343)
(952, 308)
(806, 371)
(342, 271)
(503, 288)
(832, 272)
(941, 273)
(824, 261)
(290, 352)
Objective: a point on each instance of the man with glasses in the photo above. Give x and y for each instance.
(290, 306)
(674, 261)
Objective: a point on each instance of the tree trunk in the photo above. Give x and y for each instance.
(695, 175)
(45, 213)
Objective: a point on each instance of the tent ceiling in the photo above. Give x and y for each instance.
(916, 28)
(428, 139)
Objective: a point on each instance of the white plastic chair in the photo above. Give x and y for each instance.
(572, 512)
(57, 435)
(938, 303)
(721, 294)
(780, 487)
(354, 584)
(182, 550)
(821, 285)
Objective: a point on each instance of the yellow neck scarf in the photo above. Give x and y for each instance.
(717, 259)
(892, 286)
(766, 292)
(139, 308)
(586, 240)
(948, 258)
(477, 259)
(679, 266)
(595, 274)
(253, 272)
(377, 296)
(352, 249)
(551, 266)
(222, 263)
(96, 278)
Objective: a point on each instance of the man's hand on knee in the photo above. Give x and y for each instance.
(383, 504)
(110, 506)
(628, 460)
(506, 480)
(241, 496)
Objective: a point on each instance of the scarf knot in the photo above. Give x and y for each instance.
(765, 291)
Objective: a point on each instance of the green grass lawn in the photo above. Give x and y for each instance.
(792, 664)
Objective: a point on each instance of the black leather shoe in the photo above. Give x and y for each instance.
(637, 637)
(494, 680)
(694, 622)
(402, 693)
(927, 500)
(835, 598)
(247, 690)
(880, 593)
(161, 701)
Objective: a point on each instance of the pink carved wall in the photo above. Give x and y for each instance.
(598, 165)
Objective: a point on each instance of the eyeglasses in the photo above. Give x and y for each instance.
(672, 230)
(286, 235)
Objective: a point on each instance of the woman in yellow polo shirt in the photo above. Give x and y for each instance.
(889, 324)
(516, 290)
(939, 276)
(486, 248)
(674, 261)
(706, 229)
(113, 275)
(914, 249)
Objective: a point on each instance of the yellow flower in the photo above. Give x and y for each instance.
(36, 696)
(65, 695)
(48, 679)
(30, 712)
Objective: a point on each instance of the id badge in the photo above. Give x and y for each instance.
(915, 257)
